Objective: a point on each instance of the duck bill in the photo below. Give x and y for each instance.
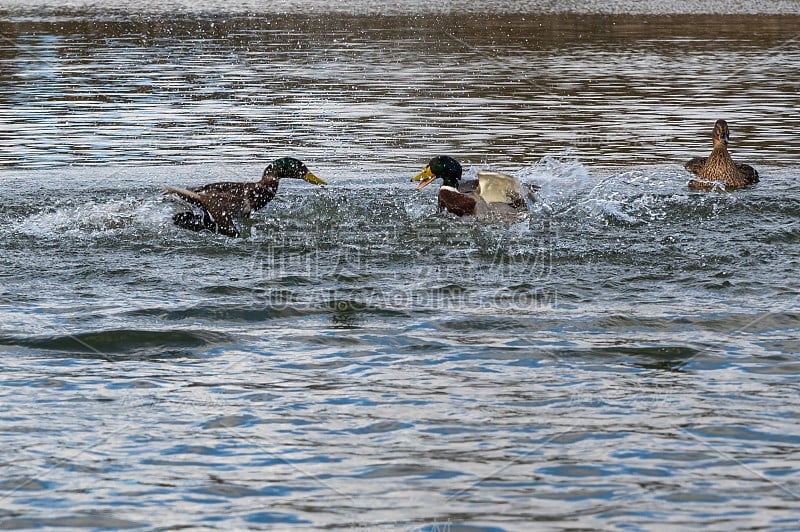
(311, 178)
(425, 182)
(426, 177)
(423, 175)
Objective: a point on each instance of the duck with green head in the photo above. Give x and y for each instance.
(491, 193)
(718, 171)
(224, 205)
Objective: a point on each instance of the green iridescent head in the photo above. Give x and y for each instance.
(440, 167)
(290, 168)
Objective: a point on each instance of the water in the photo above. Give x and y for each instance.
(625, 358)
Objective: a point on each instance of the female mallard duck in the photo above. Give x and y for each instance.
(223, 205)
(718, 169)
(491, 193)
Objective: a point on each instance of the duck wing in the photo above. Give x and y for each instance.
(224, 209)
(465, 187)
(194, 221)
(225, 213)
(187, 194)
(225, 188)
(702, 184)
(748, 172)
(696, 164)
(496, 187)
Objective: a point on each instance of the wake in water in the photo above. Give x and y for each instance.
(95, 218)
(570, 194)
(568, 189)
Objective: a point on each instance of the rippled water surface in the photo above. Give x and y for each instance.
(626, 357)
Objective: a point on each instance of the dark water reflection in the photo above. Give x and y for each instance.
(374, 90)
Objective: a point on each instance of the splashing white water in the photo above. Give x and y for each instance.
(93, 218)
(569, 189)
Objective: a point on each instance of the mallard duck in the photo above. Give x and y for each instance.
(718, 169)
(491, 193)
(223, 205)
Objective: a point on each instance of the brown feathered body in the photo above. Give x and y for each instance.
(224, 204)
(491, 193)
(718, 170)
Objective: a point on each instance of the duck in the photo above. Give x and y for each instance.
(224, 205)
(718, 171)
(491, 193)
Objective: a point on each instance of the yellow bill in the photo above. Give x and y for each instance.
(426, 177)
(311, 178)
(422, 175)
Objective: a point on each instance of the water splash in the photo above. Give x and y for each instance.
(95, 218)
(570, 190)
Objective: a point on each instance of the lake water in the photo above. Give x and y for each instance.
(624, 358)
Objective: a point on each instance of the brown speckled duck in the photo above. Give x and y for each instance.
(224, 205)
(718, 171)
(491, 193)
